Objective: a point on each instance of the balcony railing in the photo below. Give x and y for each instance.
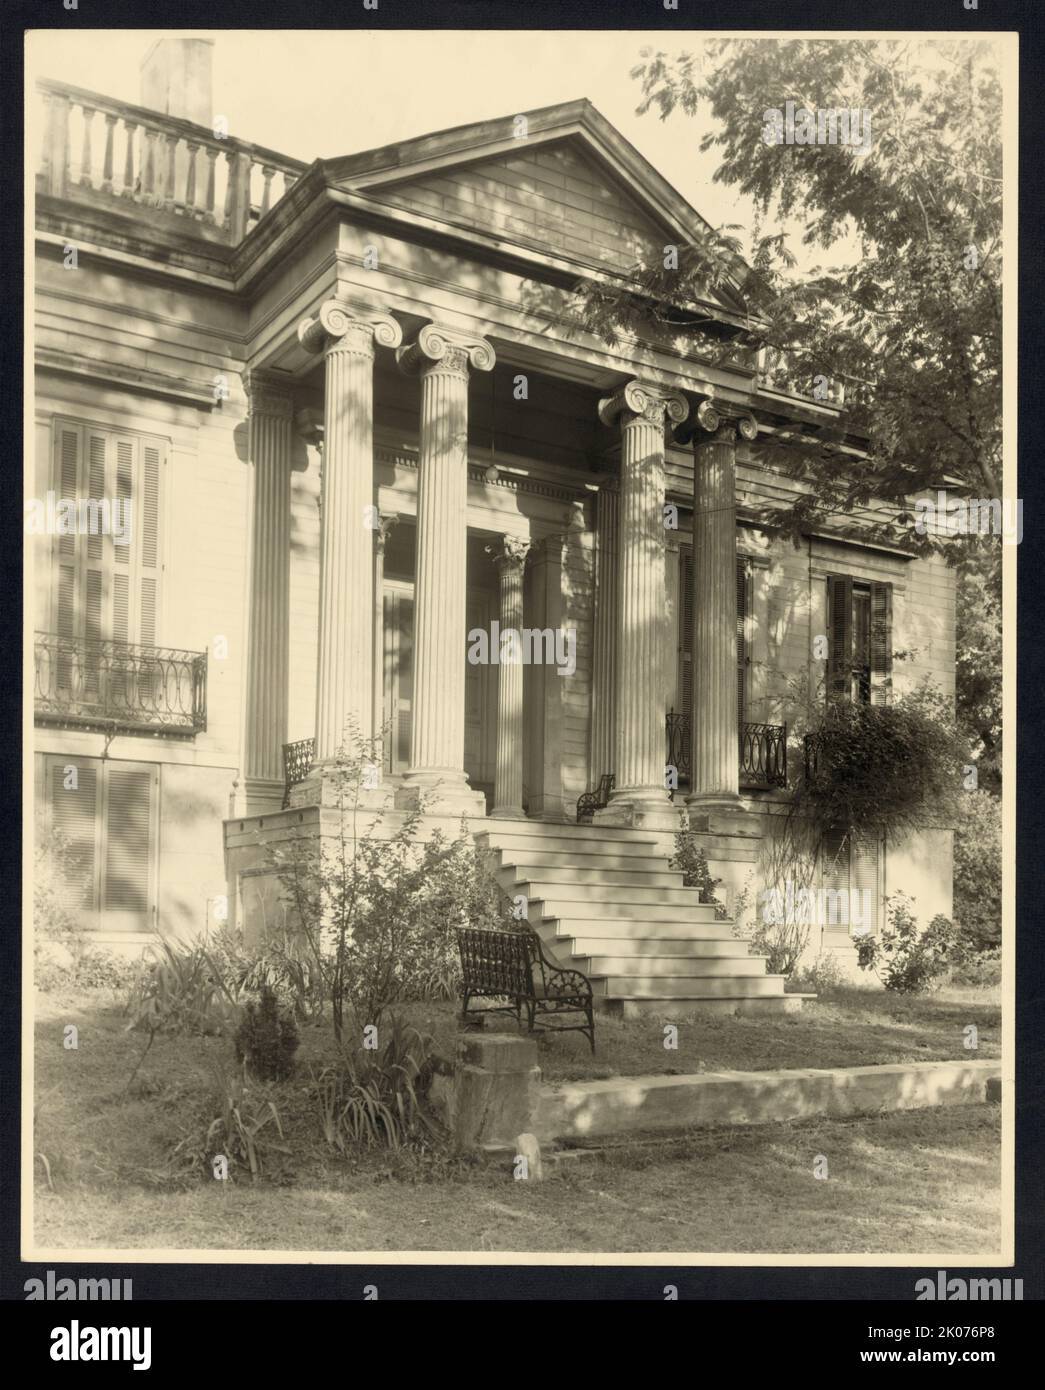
(120, 686)
(762, 752)
(222, 185)
(297, 764)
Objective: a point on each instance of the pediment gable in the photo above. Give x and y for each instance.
(572, 188)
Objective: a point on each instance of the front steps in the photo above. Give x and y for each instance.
(605, 902)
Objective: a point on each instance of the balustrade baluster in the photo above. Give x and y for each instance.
(212, 160)
(86, 157)
(127, 191)
(190, 179)
(110, 134)
(148, 193)
(170, 199)
(266, 173)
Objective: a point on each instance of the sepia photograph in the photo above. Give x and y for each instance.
(520, 532)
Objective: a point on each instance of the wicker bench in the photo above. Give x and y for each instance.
(512, 965)
(590, 802)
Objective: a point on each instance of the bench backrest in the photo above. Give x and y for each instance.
(498, 962)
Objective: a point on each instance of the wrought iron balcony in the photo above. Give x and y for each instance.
(297, 764)
(119, 686)
(762, 752)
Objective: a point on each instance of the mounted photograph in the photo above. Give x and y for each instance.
(520, 543)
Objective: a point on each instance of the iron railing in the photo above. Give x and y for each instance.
(762, 752)
(297, 764)
(120, 686)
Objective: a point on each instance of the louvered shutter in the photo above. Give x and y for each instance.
(74, 814)
(881, 642)
(840, 636)
(863, 878)
(743, 607)
(64, 620)
(128, 803)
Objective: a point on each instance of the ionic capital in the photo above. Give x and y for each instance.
(349, 326)
(447, 349)
(717, 421)
(643, 400)
(509, 554)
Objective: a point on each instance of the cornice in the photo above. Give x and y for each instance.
(128, 378)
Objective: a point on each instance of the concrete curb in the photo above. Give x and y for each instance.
(585, 1109)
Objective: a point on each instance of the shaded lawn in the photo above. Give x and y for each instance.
(852, 1028)
(912, 1182)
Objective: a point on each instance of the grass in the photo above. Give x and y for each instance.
(911, 1182)
(851, 1028)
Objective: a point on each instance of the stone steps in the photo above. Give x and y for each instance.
(604, 901)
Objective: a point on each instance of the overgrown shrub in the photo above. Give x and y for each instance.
(904, 959)
(823, 976)
(690, 858)
(267, 1038)
(180, 988)
(240, 1133)
(883, 768)
(978, 970)
(375, 911)
(378, 1098)
(977, 871)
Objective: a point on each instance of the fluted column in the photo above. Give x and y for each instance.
(607, 592)
(347, 334)
(716, 738)
(443, 357)
(271, 414)
(385, 523)
(640, 797)
(510, 558)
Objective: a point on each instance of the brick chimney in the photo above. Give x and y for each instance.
(176, 79)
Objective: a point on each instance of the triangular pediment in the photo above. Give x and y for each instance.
(571, 188)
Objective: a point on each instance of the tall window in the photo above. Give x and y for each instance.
(103, 590)
(106, 812)
(860, 621)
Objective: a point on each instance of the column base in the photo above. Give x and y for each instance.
(322, 787)
(443, 793)
(640, 809)
(508, 813)
(719, 812)
(262, 796)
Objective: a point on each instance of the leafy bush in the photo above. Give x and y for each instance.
(693, 862)
(91, 968)
(904, 959)
(279, 962)
(378, 1098)
(822, 976)
(977, 871)
(978, 970)
(875, 768)
(267, 1038)
(376, 914)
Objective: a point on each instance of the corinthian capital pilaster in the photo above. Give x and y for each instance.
(446, 349)
(509, 554)
(343, 325)
(646, 401)
(268, 395)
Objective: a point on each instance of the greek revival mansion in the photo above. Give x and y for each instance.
(357, 448)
